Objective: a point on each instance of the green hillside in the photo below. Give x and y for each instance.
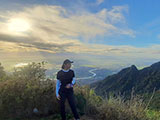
(129, 79)
(27, 88)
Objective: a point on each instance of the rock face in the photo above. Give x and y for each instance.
(142, 81)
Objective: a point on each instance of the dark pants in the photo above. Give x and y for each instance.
(71, 100)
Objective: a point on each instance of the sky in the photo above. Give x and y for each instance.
(101, 33)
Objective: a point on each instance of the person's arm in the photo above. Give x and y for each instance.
(73, 82)
(58, 83)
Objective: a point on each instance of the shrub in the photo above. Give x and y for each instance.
(114, 107)
(26, 90)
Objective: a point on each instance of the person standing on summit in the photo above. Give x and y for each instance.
(64, 89)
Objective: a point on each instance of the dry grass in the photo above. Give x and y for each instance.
(115, 108)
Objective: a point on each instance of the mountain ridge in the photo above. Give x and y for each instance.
(144, 80)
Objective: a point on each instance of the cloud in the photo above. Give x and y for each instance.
(61, 21)
(158, 36)
(57, 30)
(32, 42)
(98, 2)
(121, 51)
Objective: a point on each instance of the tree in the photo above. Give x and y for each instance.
(2, 73)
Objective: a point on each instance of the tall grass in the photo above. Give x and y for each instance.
(114, 107)
(25, 90)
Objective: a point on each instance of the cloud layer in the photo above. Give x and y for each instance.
(55, 29)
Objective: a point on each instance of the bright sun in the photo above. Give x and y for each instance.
(18, 25)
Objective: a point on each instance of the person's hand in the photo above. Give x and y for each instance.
(58, 97)
(68, 85)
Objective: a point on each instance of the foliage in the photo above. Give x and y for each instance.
(28, 88)
(3, 75)
(25, 90)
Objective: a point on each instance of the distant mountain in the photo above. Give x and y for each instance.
(84, 74)
(144, 80)
(88, 75)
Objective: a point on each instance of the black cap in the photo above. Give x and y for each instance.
(67, 61)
